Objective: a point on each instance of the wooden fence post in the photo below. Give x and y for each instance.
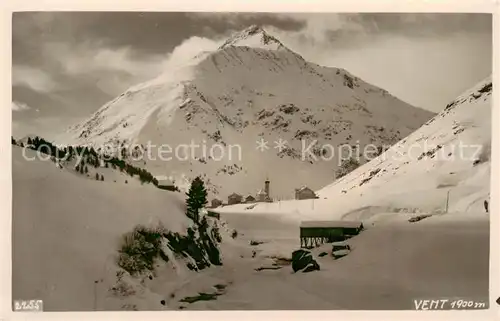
(447, 201)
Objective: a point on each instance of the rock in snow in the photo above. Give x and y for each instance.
(303, 260)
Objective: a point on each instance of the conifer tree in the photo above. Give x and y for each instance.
(102, 177)
(197, 199)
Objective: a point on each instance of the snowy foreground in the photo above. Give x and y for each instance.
(66, 231)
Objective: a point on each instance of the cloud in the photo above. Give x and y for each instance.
(189, 49)
(407, 54)
(424, 59)
(33, 78)
(88, 58)
(18, 106)
(318, 28)
(409, 24)
(112, 58)
(114, 70)
(111, 69)
(47, 127)
(228, 19)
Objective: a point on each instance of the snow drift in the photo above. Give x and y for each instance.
(67, 231)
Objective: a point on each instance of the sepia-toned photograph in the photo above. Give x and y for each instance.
(251, 161)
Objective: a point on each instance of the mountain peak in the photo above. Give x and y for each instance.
(253, 36)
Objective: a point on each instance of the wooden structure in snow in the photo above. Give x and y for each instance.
(234, 199)
(167, 184)
(216, 203)
(250, 199)
(213, 214)
(304, 193)
(314, 233)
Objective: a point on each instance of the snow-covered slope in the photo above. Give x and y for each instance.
(66, 231)
(444, 165)
(251, 88)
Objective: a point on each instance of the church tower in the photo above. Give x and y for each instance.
(266, 187)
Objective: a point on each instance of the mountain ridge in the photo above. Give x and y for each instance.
(442, 169)
(239, 94)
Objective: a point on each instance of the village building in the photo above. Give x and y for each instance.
(216, 203)
(263, 194)
(304, 193)
(250, 199)
(267, 183)
(234, 199)
(166, 183)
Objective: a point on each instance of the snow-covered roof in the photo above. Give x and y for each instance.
(165, 182)
(304, 188)
(341, 252)
(332, 224)
(342, 243)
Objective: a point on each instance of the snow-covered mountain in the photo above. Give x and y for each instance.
(444, 166)
(252, 87)
(450, 153)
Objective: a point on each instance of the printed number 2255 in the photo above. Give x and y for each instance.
(28, 305)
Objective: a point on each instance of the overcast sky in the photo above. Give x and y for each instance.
(67, 65)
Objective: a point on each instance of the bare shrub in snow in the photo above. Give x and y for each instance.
(130, 307)
(122, 289)
(140, 248)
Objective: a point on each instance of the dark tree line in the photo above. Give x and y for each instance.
(89, 156)
(47, 147)
(144, 175)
